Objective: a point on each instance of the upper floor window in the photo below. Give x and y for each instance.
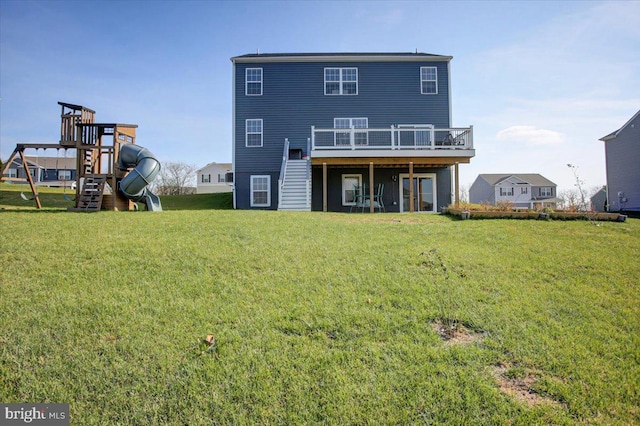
(254, 132)
(221, 178)
(12, 173)
(253, 81)
(206, 178)
(341, 81)
(546, 191)
(506, 192)
(524, 189)
(428, 80)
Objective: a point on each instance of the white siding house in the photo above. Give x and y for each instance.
(212, 178)
(524, 191)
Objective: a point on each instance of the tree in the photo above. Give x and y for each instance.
(174, 178)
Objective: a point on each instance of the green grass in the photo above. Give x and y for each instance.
(53, 199)
(318, 317)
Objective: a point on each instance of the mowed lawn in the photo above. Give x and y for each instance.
(319, 318)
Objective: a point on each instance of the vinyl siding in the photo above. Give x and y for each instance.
(623, 167)
(481, 192)
(293, 100)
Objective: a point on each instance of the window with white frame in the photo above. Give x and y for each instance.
(341, 81)
(428, 80)
(344, 138)
(349, 185)
(524, 189)
(254, 132)
(221, 178)
(205, 178)
(12, 173)
(253, 81)
(546, 191)
(64, 174)
(261, 191)
(506, 191)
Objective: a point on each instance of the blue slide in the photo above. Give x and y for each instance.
(134, 184)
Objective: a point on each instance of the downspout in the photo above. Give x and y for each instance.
(233, 134)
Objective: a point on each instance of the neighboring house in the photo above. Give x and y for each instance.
(523, 191)
(622, 157)
(311, 128)
(213, 178)
(599, 200)
(46, 171)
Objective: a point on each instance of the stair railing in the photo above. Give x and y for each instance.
(283, 168)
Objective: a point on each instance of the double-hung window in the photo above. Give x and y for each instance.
(506, 192)
(524, 189)
(545, 191)
(12, 173)
(253, 81)
(254, 132)
(344, 138)
(206, 178)
(64, 174)
(428, 80)
(261, 191)
(341, 81)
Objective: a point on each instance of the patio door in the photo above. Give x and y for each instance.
(424, 192)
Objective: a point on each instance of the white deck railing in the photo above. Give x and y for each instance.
(393, 138)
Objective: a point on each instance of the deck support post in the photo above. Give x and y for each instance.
(371, 207)
(324, 187)
(411, 195)
(457, 188)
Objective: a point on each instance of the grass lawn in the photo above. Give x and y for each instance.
(319, 318)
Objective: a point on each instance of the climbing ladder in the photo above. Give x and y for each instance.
(92, 193)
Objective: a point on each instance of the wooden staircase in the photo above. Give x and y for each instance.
(90, 199)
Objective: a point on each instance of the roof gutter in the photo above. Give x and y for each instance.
(340, 58)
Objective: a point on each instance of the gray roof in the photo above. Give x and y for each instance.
(534, 179)
(340, 56)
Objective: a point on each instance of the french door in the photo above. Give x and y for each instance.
(424, 192)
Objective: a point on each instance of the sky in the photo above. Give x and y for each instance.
(540, 82)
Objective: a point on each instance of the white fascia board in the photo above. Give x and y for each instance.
(341, 58)
(431, 153)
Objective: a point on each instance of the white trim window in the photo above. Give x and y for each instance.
(64, 174)
(429, 80)
(260, 191)
(253, 132)
(349, 184)
(546, 191)
(506, 191)
(253, 82)
(341, 81)
(12, 173)
(344, 138)
(221, 178)
(524, 189)
(206, 178)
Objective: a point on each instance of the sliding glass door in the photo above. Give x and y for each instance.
(424, 193)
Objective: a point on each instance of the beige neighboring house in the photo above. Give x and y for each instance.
(212, 178)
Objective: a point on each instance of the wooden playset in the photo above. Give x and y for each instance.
(99, 171)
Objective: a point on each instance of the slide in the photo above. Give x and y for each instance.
(134, 184)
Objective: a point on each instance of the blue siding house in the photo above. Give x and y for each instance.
(345, 131)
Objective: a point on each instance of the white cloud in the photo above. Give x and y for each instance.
(530, 135)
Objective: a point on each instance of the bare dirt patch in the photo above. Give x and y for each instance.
(455, 333)
(520, 383)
